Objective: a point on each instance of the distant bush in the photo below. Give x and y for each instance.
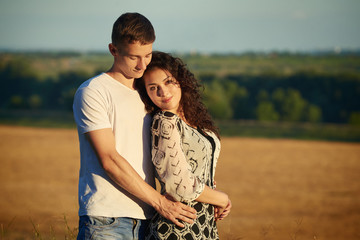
(303, 97)
(276, 87)
(354, 118)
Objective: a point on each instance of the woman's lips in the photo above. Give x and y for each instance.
(167, 100)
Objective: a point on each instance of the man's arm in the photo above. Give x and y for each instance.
(122, 173)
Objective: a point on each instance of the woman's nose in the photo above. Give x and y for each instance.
(162, 92)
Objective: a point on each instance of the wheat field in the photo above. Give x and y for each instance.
(280, 189)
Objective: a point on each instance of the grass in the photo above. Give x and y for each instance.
(71, 233)
(5, 229)
(68, 232)
(280, 188)
(34, 118)
(304, 131)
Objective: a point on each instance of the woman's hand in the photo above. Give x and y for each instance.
(221, 213)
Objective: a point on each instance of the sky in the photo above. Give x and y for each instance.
(204, 26)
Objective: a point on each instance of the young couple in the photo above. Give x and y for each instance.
(144, 117)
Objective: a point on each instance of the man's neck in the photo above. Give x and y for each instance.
(118, 76)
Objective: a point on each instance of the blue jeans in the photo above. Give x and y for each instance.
(111, 228)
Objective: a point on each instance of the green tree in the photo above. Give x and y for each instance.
(216, 99)
(293, 105)
(265, 111)
(16, 102)
(17, 81)
(239, 103)
(35, 101)
(354, 118)
(312, 113)
(237, 98)
(277, 97)
(262, 96)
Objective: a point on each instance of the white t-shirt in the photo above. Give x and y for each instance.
(103, 102)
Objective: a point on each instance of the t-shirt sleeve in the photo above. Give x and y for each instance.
(90, 111)
(170, 161)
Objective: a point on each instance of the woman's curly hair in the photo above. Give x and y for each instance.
(195, 112)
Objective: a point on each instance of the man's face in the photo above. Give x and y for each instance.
(132, 59)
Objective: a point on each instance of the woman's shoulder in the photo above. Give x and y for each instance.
(165, 115)
(166, 120)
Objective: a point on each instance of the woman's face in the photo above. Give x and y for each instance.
(163, 90)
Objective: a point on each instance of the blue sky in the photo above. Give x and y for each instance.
(207, 26)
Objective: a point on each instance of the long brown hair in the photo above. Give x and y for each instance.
(195, 112)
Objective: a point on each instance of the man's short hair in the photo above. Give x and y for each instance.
(132, 27)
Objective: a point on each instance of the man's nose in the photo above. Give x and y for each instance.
(141, 64)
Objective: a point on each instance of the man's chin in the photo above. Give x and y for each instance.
(135, 75)
(138, 74)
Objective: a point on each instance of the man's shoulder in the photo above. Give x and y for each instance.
(94, 81)
(90, 87)
(97, 83)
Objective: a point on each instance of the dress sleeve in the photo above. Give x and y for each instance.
(170, 161)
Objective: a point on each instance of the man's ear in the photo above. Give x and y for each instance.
(113, 50)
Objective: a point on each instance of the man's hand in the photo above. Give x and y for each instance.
(175, 211)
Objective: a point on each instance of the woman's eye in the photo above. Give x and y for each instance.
(170, 81)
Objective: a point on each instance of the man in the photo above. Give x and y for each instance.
(116, 183)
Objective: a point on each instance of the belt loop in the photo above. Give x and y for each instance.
(134, 227)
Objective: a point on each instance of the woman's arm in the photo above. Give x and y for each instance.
(173, 168)
(213, 197)
(170, 161)
(219, 199)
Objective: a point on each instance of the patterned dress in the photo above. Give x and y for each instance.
(185, 160)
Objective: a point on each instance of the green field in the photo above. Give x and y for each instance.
(50, 64)
(275, 95)
(305, 131)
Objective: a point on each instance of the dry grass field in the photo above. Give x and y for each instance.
(280, 189)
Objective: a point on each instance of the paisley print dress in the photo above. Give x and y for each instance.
(185, 159)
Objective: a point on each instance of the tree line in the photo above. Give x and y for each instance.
(300, 97)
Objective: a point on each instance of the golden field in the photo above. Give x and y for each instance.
(280, 189)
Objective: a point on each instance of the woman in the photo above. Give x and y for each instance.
(185, 148)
